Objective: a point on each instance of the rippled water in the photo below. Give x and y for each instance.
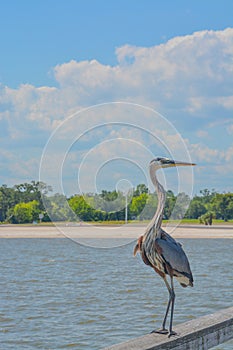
(55, 294)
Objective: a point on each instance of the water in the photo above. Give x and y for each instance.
(55, 294)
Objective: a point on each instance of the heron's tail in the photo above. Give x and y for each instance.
(136, 249)
(138, 246)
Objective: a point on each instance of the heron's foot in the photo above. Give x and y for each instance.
(161, 331)
(171, 333)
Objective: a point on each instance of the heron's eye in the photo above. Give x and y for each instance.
(167, 161)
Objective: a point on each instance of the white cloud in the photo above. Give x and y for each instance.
(230, 129)
(85, 74)
(16, 168)
(204, 153)
(229, 155)
(202, 133)
(188, 78)
(186, 73)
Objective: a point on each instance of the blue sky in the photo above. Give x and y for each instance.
(58, 57)
(36, 36)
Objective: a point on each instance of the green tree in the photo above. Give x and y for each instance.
(169, 204)
(150, 207)
(83, 210)
(26, 212)
(22, 193)
(57, 208)
(196, 208)
(106, 201)
(180, 207)
(222, 206)
(137, 205)
(206, 218)
(140, 189)
(108, 195)
(8, 199)
(207, 195)
(27, 192)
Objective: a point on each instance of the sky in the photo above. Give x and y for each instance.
(90, 91)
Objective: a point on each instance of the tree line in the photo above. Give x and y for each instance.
(33, 202)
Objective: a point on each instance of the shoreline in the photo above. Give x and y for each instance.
(115, 232)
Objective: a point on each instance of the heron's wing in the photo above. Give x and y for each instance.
(173, 254)
(167, 237)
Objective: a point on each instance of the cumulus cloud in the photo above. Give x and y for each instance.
(203, 153)
(188, 79)
(202, 133)
(189, 73)
(230, 129)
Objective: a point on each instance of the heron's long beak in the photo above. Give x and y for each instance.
(178, 163)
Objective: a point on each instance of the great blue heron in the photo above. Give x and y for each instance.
(159, 250)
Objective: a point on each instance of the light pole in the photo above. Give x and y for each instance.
(126, 207)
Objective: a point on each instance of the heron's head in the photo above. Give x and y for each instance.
(162, 162)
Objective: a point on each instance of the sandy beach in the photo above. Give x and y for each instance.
(124, 231)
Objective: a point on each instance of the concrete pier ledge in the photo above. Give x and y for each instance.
(199, 334)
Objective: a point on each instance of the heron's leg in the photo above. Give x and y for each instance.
(172, 295)
(168, 304)
(163, 330)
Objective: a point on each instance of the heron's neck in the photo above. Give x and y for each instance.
(154, 226)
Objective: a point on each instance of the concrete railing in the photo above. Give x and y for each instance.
(199, 334)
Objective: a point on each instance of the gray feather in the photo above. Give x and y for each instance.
(173, 254)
